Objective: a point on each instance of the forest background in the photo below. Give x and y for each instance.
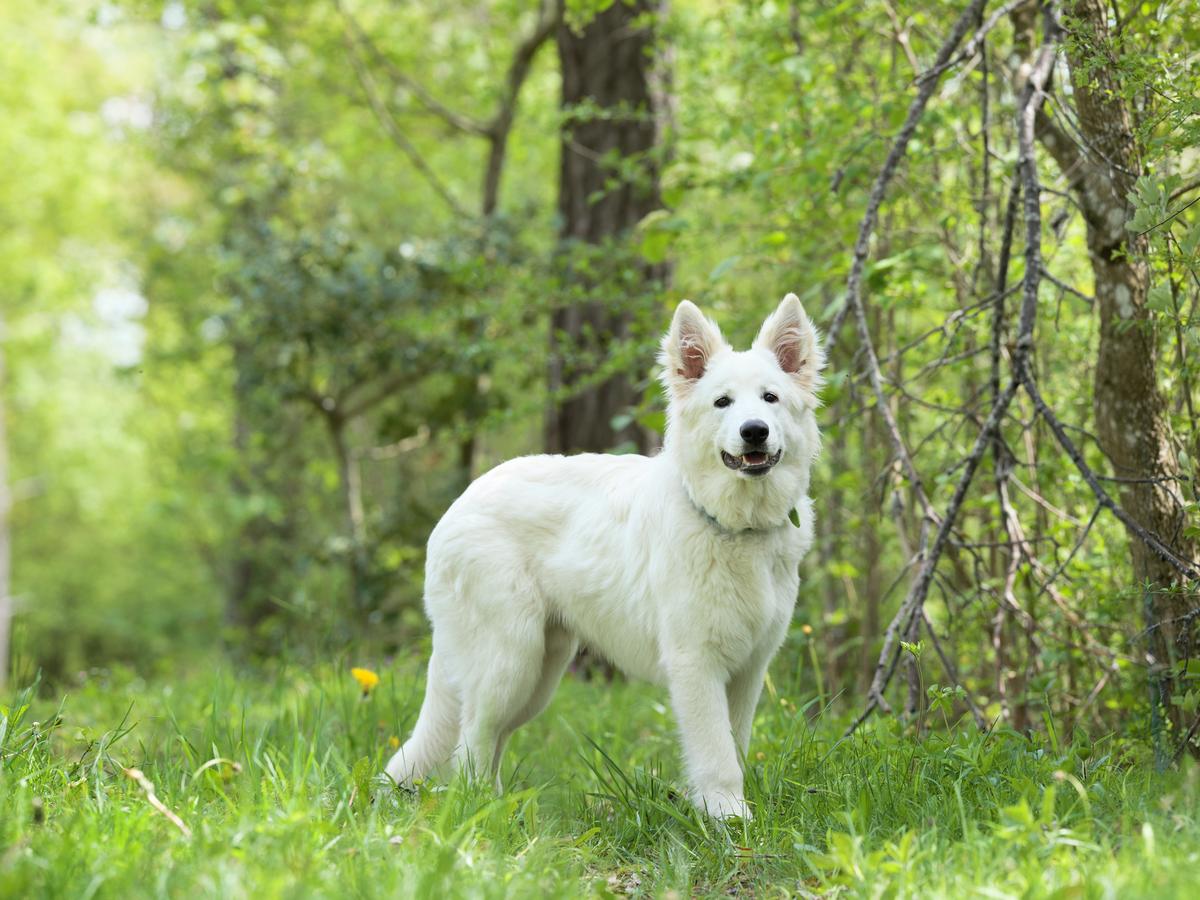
(277, 280)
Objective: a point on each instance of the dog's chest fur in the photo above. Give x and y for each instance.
(743, 597)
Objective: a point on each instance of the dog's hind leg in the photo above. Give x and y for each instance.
(436, 732)
(506, 669)
(560, 648)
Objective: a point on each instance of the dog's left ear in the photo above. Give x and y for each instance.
(790, 336)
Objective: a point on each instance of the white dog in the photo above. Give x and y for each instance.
(679, 568)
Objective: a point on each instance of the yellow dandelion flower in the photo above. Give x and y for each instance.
(807, 629)
(394, 742)
(367, 680)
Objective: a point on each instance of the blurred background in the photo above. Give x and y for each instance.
(277, 280)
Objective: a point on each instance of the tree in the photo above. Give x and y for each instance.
(608, 183)
(1102, 166)
(496, 130)
(352, 321)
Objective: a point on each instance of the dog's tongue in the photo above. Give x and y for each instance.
(753, 459)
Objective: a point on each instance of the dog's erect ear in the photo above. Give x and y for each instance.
(789, 335)
(688, 346)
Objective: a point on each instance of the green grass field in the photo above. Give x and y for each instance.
(271, 777)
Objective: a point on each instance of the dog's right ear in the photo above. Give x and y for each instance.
(688, 347)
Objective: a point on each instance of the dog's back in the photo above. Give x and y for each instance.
(566, 540)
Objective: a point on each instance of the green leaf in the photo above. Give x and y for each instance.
(723, 267)
(655, 245)
(1159, 299)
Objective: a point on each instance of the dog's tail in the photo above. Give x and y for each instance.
(436, 732)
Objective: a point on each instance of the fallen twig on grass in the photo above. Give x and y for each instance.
(147, 786)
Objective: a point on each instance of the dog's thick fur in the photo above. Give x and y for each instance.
(680, 568)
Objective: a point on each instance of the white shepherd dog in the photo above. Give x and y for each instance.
(679, 568)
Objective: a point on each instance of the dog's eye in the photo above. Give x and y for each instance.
(770, 398)
(722, 402)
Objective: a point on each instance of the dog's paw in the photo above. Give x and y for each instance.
(725, 806)
(386, 794)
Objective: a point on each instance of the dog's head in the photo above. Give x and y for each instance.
(742, 418)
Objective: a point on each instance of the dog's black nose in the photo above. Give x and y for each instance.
(755, 431)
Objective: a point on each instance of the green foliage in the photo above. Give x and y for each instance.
(234, 301)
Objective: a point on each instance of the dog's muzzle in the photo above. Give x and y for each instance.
(754, 462)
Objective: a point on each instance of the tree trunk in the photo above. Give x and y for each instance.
(608, 183)
(261, 554)
(350, 485)
(1132, 425)
(6, 610)
(245, 607)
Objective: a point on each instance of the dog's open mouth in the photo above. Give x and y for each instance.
(757, 462)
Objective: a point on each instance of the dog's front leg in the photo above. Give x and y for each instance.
(710, 755)
(746, 686)
(743, 692)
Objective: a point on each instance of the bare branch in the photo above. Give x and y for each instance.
(496, 129)
(446, 114)
(1066, 288)
(915, 600)
(1189, 185)
(975, 44)
(394, 131)
(862, 245)
(1032, 97)
(500, 125)
(1151, 540)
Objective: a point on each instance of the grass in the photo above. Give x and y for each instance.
(273, 776)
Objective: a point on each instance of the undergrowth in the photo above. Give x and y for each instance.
(271, 778)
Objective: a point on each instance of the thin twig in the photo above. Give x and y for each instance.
(1151, 540)
(927, 83)
(451, 117)
(1173, 215)
(1190, 185)
(1187, 739)
(393, 129)
(953, 673)
(1063, 286)
(147, 787)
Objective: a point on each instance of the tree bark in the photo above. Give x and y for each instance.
(350, 486)
(1132, 424)
(608, 182)
(246, 604)
(6, 608)
(262, 558)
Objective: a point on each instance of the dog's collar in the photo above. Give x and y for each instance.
(793, 518)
